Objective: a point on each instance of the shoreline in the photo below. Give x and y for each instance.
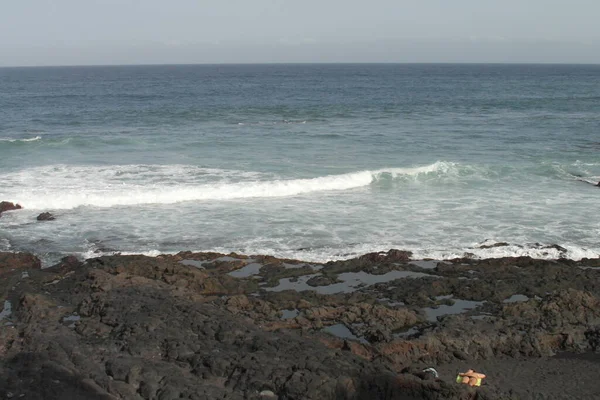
(147, 326)
(26, 233)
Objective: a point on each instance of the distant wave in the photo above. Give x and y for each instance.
(285, 121)
(12, 140)
(65, 187)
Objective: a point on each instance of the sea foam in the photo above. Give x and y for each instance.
(64, 187)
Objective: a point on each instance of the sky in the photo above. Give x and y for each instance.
(99, 32)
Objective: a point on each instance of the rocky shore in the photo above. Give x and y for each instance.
(215, 326)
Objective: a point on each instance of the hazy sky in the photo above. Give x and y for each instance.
(65, 32)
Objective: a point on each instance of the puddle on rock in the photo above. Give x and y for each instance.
(298, 285)
(516, 298)
(342, 331)
(402, 335)
(459, 307)
(289, 314)
(351, 281)
(246, 271)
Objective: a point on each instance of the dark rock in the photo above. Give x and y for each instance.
(155, 328)
(489, 246)
(45, 216)
(556, 247)
(593, 337)
(66, 264)
(8, 206)
(376, 335)
(321, 280)
(391, 256)
(10, 261)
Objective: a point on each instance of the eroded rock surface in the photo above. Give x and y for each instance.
(167, 327)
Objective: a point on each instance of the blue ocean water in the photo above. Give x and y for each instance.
(315, 162)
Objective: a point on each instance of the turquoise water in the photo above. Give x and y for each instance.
(315, 162)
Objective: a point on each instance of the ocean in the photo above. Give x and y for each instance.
(312, 162)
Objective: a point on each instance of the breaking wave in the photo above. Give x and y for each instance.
(65, 187)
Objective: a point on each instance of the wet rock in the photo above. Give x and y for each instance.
(391, 256)
(490, 246)
(322, 280)
(45, 216)
(8, 206)
(66, 264)
(18, 261)
(560, 249)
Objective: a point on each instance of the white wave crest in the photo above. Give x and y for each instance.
(66, 187)
(545, 253)
(440, 167)
(12, 140)
(163, 194)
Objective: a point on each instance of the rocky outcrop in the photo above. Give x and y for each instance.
(129, 330)
(136, 327)
(8, 206)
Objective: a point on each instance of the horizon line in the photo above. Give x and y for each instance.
(542, 63)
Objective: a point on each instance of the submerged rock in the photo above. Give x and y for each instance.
(45, 216)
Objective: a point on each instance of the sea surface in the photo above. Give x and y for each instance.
(314, 162)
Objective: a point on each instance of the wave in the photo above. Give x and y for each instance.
(282, 122)
(325, 253)
(12, 140)
(477, 251)
(66, 187)
(537, 251)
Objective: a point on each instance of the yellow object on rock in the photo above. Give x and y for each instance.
(470, 378)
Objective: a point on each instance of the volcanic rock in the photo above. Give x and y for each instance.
(135, 327)
(8, 206)
(45, 216)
